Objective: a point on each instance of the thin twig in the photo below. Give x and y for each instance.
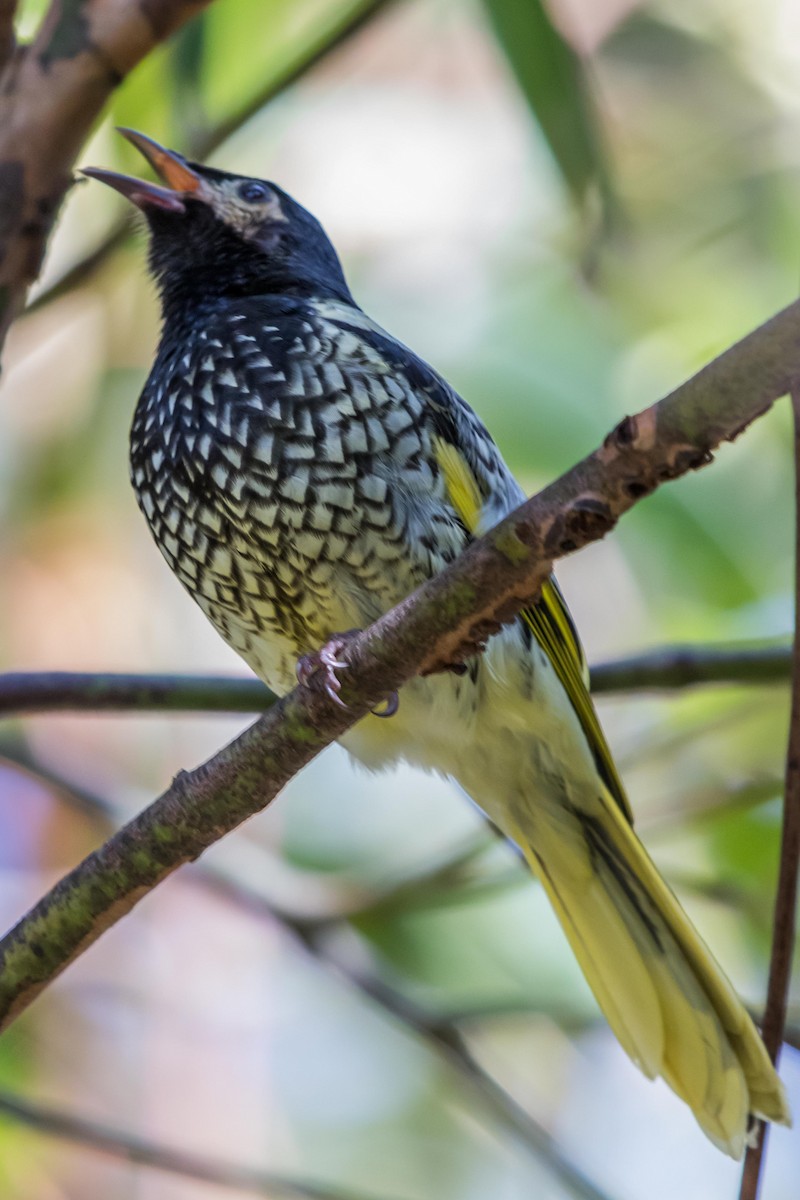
(352, 23)
(675, 667)
(784, 921)
(55, 691)
(445, 621)
(140, 1151)
(85, 268)
(670, 669)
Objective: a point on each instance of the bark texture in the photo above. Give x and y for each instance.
(51, 93)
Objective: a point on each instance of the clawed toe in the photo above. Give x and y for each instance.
(326, 662)
(392, 703)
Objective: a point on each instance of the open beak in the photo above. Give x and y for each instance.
(182, 182)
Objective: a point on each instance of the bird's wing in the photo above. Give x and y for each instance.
(481, 490)
(548, 618)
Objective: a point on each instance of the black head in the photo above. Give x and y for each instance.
(213, 234)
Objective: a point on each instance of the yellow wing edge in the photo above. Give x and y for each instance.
(550, 623)
(548, 620)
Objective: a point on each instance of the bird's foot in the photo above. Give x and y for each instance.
(327, 662)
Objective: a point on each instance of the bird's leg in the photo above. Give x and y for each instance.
(328, 662)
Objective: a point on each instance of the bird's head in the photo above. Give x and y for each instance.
(213, 234)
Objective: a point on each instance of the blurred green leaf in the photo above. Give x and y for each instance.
(490, 953)
(553, 80)
(188, 51)
(223, 69)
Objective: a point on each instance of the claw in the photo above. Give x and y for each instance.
(326, 661)
(392, 703)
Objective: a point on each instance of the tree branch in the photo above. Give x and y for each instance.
(444, 621)
(51, 93)
(672, 668)
(8, 42)
(785, 919)
(131, 1149)
(676, 667)
(65, 691)
(308, 934)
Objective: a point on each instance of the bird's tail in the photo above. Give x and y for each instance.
(666, 999)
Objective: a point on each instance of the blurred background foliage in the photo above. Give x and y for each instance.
(567, 209)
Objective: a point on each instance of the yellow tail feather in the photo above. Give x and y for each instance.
(666, 999)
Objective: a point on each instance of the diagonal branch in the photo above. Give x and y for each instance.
(131, 1149)
(444, 621)
(785, 919)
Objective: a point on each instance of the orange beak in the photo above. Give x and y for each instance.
(181, 180)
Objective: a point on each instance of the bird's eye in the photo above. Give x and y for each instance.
(253, 193)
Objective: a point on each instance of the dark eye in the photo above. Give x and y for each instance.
(253, 193)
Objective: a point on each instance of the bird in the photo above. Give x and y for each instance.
(302, 471)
